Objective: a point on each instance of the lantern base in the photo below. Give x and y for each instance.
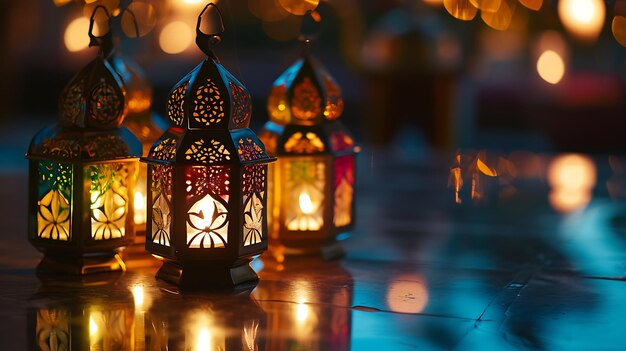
(82, 265)
(207, 275)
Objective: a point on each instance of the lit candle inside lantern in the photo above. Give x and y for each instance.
(306, 205)
(206, 211)
(140, 208)
(204, 340)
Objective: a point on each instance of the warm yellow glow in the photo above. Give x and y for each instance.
(94, 196)
(302, 312)
(551, 67)
(582, 18)
(206, 208)
(93, 327)
(407, 294)
(281, 107)
(572, 178)
(138, 295)
(175, 37)
(566, 201)
(76, 37)
(572, 171)
(140, 208)
(203, 343)
(306, 205)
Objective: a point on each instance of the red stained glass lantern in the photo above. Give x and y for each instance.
(82, 173)
(207, 177)
(312, 185)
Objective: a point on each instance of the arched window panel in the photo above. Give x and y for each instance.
(54, 194)
(303, 200)
(109, 198)
(161, 198)
(343, 191)
(253, 191)
(207, 195)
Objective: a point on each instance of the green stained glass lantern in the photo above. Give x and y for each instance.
(82, 173)
(312, 184)
(207, 214)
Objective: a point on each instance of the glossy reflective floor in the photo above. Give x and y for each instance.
(510, 267)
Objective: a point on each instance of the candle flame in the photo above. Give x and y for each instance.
(93, 327)
(306, 205)
(206, 210)
(140, 208)
(204, 340)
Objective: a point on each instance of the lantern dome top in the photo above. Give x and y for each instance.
(95, 98)
(305, 94)
(209, 97)
(210, 110)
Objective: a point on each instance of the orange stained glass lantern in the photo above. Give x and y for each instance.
(82, 173)
(207, 177)
(312, 184)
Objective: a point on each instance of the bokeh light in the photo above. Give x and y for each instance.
(76, 36)
(618, 27)
(551, 67)
(572, 178)
(175, 37)
(298, 7)
(582, 18)
(146, 18)
(407, 294)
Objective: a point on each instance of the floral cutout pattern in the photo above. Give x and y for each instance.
(175, 104)
(304, 143)
(208, 104)
(53, 217)
(334, 102)
(161, 204)
(105, 104)
(215, 151)
(249, 150)
(306, 103)
(253, 220)
(207, 223)
(165, 150)
(241, 106)
(109, 200)
(71, 102)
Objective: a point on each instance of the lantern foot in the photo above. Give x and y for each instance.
(207, 275)
(82, 265)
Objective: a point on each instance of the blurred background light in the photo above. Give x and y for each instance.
(75, 37)
(582, 18)
(175, 37)
(551, 67)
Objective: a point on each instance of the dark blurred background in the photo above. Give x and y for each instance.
(531, 75)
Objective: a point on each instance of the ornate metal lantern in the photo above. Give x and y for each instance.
(312, 185)
(207, 177)
(83, 171)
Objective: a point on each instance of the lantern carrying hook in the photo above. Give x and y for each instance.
(205, 41)
(105, 42)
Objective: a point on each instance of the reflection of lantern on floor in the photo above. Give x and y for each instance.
(205, 322)
(313, 182)
(320, 319)
(207, 178)
(83, 172)
(101, 318)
